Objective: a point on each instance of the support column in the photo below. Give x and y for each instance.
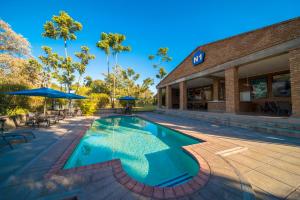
(294, 62)
(232, 90)
(216, 89)
(169, 97)
(159, 97)
(182, 95)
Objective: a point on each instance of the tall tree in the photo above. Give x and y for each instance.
(61, 68)
(12, 43)
(51, 65)
(99, 86)
(104, 44)
(117, 48)
(161, 57)
(68, 68)
(161, 73)
(146, 84)
(85, 57)
(88, 81)
(35, 70)
(14, 48)
(63, 27)
(16, 63)
(129, 77)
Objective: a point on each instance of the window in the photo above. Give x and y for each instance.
(245, 96)
(281, 85)
(199, 94)
(208, 93)
(259, 88)
(194, 94)
(222, 90)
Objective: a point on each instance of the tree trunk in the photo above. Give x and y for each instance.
(108, 85)
(114, 84)
(66, 53)
(45, 105)
(107, 61)
(78, 83)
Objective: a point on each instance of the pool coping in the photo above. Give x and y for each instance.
(187, 188)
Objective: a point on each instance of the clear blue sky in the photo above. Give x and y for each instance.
(148, 25)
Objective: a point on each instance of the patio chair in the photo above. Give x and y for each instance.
(43, 120)
(61, 115)
(78, 112)
(284, 108)
(30, 120)
(18, 131)
(8, 136)
(19, 123)
(52, 117)
(273, 107)
(262, 108)
(68, 113)
(270, 108)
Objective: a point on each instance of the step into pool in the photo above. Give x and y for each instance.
(150, 153)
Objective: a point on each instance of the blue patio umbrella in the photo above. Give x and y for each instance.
(74, 96)
(127, 98)
(46, 92)
(41, 92)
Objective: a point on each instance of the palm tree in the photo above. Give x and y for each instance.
(104, 44)
(63, 27)
(116, 41)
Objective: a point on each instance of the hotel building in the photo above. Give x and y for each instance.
(253, 73)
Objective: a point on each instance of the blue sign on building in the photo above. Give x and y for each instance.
(198, 57)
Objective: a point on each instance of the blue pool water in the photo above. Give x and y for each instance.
(150, 153)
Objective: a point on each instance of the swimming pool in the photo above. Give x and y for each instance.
(149, 153)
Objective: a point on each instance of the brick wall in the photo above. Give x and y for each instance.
(159, 98)
(232, 90)
(294, 60)
(238, 46)
(216, 89)
(183, 95)
(168, 97)
(216, 106)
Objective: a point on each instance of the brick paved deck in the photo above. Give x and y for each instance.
(244, 164)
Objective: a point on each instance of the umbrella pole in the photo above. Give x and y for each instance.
(45, 105)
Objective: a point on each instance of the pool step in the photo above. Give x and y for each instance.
(175, 181)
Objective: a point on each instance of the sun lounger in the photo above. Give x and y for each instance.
(7, 137)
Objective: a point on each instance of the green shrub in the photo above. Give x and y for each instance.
(103, 99)
(12, 102)
(94, 101)
(17, 111)
(8, 102)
